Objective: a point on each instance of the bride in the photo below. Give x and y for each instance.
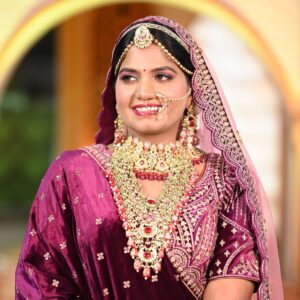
(166, 204)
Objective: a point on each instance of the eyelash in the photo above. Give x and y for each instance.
(167, 76)
(160, 77)
(126, 77)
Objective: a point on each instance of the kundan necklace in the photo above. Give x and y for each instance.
(154, 162)
(149, 222)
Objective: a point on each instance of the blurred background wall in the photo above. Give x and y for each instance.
(54, 56)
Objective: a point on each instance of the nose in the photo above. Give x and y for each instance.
(145, 90)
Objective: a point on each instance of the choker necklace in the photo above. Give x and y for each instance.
(153, 162)
(148, 222)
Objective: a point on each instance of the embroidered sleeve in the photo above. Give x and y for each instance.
(235, 253)
(48, 266)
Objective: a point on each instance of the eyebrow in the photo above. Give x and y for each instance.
(164, 68)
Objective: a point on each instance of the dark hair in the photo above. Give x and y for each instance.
(177, 50)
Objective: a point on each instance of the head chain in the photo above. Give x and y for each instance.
(144, 44)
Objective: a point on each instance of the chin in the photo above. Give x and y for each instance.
(144, 126)
(146, 132)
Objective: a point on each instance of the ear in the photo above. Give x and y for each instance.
(189, 101)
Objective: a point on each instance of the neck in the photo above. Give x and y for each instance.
(156, 139)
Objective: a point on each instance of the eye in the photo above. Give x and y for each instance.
(163, 77)
(127, 78)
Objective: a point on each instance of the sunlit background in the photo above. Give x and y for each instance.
(54, 56)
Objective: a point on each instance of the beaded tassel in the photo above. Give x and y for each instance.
(120, 131)
(188, 132)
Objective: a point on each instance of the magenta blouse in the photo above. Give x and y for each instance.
(75, 246)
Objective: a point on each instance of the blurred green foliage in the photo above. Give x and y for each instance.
(26, 133)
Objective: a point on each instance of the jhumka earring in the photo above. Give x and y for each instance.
(120, 131)
(188, 132)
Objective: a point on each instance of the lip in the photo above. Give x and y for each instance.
(148, 105)
(145, 113)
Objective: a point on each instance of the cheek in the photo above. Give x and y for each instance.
(123, 96)
(175, 113)
(177, 107)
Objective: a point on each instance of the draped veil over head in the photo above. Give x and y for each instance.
(218, 134)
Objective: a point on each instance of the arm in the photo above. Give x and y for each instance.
(233, 272)
(49, 266)
(229, 289)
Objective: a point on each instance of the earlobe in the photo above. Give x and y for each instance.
(189, 102)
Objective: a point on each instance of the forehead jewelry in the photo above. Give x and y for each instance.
(165, 101)
(143, 39)
(161, 28)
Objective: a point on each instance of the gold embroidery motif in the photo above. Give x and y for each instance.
(100, 256)
(62, 245)
(98, 221)
(55, 283)
(126, 284)
(191, 256)
(47, 255)
(50, 218)
(248, 266)
(105, 292)
(32, 232)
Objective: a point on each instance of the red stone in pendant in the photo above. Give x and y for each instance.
(147, 254)
(151, 201)
(148, 230)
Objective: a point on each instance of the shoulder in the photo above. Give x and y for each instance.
(214, 161)
(84, 157)
(220, 165)
(224, 173)
(225, 178)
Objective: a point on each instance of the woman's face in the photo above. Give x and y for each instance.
(143, 73)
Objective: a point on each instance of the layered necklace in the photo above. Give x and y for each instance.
(149, 222)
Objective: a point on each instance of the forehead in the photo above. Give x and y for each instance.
(148, 58)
